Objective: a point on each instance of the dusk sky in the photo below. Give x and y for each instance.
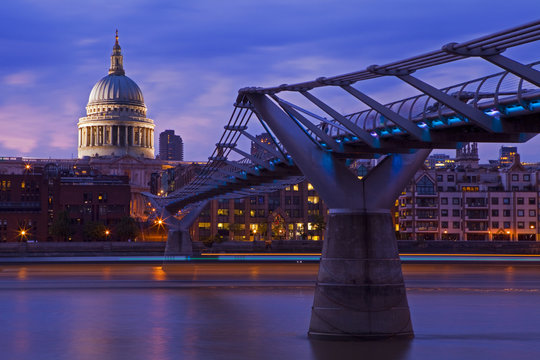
(190, 57)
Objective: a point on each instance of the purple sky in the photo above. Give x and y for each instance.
(190, 57)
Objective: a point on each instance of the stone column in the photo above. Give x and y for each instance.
(143, 130)
(360, 290)
(145, 137)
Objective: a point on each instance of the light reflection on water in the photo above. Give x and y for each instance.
(252, 323)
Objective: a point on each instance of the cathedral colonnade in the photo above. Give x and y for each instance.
(115, 135)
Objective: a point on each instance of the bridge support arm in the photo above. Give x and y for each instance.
(494, 56)
(474, 115)
(413, 130)
(360, 291)
(179, 240)
(516, 68)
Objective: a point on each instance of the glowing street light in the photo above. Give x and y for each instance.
(23, 233)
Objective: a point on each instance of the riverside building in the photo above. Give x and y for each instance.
(471, 202)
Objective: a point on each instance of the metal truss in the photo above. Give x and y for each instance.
(498, 108)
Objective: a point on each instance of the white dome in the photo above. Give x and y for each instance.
(116, 89)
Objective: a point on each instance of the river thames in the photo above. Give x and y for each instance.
(254, 311)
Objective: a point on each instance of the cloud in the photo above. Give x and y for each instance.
(87, 41)
(28, 129)
(21, 78)
(19, 130)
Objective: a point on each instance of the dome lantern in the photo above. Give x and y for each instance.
(117, 60)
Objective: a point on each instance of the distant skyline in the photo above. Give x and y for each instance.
(191, 57)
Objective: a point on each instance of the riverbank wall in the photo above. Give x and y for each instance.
(24, 249)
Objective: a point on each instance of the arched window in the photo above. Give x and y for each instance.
(425, 186)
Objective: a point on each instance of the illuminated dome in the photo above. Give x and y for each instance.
(116, 89)
(115, 123)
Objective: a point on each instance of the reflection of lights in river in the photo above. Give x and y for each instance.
(158, 273)
(22, 274)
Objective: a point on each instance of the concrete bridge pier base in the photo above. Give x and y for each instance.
(179, 243)
(360, 293)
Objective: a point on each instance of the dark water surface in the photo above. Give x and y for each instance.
(145, 312)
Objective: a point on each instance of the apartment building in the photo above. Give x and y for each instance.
(471, 202)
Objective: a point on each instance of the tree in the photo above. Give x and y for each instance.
(278, 226)
(211, 240)
(318, 222)
(126, 229)
(61, 226)
(262, 228)
(236, 229)
(94, 231)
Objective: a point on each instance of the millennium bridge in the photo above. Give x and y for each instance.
(360, 291)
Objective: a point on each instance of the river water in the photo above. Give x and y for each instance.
(133, 312)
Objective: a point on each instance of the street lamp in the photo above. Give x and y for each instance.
(23, 233)
(107, 233)
(160, 223)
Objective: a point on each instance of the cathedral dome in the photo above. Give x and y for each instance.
(115, 123)
(116, 89)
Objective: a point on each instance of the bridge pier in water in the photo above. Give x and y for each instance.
(360, 291)
(179, 242)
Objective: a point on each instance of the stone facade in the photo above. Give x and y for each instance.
(115, 123)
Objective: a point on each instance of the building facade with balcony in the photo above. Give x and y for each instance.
(471, 202)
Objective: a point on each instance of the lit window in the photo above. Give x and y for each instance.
(204, 225)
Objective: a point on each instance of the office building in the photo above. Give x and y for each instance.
(171, 146)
